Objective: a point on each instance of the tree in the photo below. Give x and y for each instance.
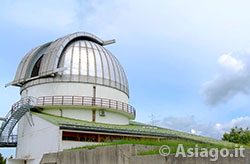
(2, 159)
(238, 135)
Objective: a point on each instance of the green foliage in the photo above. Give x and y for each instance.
(238, 135)
(2, 159)
(172, 143)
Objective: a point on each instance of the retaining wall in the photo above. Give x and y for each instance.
(127, 154)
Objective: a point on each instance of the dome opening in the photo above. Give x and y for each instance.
(35, 63)
(36, 68)
(78, 58)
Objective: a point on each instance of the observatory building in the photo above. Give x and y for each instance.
(74, 93)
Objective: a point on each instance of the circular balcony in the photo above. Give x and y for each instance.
(89, 102)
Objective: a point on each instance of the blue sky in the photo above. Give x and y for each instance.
(187, 62)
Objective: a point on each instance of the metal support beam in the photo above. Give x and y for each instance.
(108, 42)
(52, 74)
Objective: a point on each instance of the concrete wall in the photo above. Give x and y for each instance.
(127, 154)
(180, 160)
(81, 89)
(75, 89)
(34, 141)
(119, 154)
(86, 115)
(79, 114)
(73, 144)
(112, 118)
(13, 161)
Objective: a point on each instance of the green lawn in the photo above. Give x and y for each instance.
(172, 143)
(133, 127)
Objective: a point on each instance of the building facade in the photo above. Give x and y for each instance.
(74, 93)
(73, 77)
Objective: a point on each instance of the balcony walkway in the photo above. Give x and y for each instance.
(86, 102)
(19, 109)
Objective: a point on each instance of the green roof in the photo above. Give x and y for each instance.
(132, 127)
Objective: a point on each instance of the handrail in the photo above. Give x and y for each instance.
(8, 139)
(85, 101)
(18, 110)
(24, 101)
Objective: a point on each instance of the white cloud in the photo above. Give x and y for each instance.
(229, 62)
(243, 122)
(189, 124)
(214, 130)
(232, 78)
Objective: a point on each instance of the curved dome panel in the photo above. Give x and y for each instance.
(90, 62)
(82, 58)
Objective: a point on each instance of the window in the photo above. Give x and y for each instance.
(93, 137)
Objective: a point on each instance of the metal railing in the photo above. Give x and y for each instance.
(18, 110)
(8, 139)
(85, 101)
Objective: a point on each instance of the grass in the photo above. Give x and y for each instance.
(133, 126)
(172, 143)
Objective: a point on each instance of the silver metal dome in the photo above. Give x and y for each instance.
(78, 57)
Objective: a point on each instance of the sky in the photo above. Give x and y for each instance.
(187, 62)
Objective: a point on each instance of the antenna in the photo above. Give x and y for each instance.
(152, 119)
